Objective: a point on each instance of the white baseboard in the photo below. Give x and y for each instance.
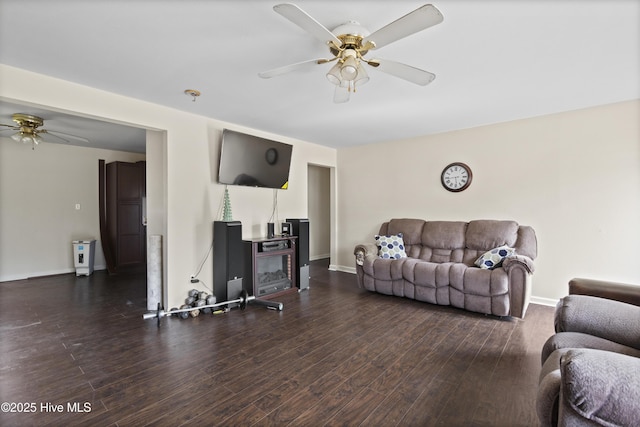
(317, 257)
(342, 268)
(544, 301)
(25, 276)
(34, 274)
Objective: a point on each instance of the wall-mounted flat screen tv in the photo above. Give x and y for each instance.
(253, 161)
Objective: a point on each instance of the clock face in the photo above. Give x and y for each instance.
(456, 177)
(271, 156)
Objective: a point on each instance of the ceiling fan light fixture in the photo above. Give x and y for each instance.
(26, 137)
(334, 74)
(362, 77)
(349, 70)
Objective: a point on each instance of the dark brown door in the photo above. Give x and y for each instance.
(125, 193)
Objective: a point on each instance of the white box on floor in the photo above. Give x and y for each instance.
(83, 256)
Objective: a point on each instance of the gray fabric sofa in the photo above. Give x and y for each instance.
(591, 367)
(440, 268)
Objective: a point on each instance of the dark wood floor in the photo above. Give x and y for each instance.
(336, 355)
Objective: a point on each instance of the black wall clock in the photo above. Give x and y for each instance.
(272, 156)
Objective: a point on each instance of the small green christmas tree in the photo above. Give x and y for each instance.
(226, 212)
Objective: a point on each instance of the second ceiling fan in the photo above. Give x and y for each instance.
(28, 130)
(350, 42)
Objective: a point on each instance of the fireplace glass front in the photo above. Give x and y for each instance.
(273, 274)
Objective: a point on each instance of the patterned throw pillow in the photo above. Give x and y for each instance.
(390, 247)
(493, 258)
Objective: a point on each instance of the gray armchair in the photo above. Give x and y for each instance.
(591, 367)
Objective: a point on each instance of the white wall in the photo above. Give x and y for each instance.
(193, 198)
(319, 212)
(156, 203)
(574, 177)
(39, 190)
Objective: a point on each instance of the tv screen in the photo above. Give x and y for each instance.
(253, 161)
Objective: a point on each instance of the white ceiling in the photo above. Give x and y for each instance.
(495, 61)
(101, 134)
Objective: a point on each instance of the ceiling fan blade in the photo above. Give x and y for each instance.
(303, 20)
(420, 19)
(12, 127)
(291, 67)
(404, 71)
(341, 94)
(57, 134)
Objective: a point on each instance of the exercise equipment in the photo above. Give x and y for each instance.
(184, 311)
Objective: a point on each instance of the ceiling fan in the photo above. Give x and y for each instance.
(28, 130)
(350, 42)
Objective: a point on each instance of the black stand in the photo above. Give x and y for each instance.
(273, 305)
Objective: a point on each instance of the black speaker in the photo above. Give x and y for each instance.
(300, 228)
(228, 258)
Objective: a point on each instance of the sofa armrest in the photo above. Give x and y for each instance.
(612, 320)
(622, 292)
(363, 250)
(518, 261)
(549, 389)
(599, 386)
(547, 399)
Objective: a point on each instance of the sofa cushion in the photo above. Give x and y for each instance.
(384, 269)
(493, 258)
(444, 234)
(390, 247)
(443, 241)
(527, 242)
(486, 234)
(476, 281)
(623, 328)
(411, 230)
(565, 340)
(601, 386)
(424, 273)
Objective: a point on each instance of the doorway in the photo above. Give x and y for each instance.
(319, 211)
(122, 216)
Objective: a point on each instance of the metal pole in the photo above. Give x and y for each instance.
(161, 313)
